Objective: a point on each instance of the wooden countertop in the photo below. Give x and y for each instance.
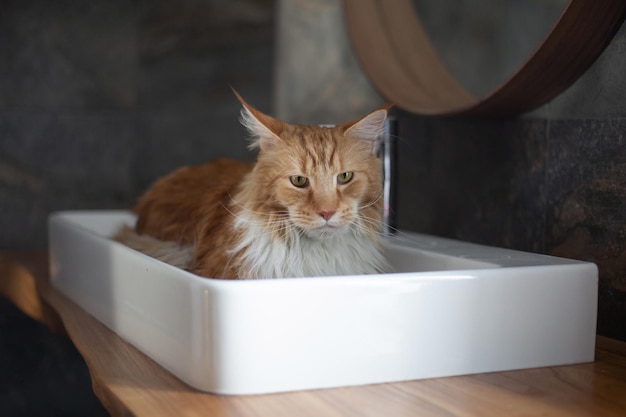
(130, 384)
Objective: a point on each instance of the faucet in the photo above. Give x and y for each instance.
(389, 159)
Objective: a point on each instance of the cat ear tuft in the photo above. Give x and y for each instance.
(368, 128)
(264, 129)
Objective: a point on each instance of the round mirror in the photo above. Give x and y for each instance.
(513, 56)
(483, 42)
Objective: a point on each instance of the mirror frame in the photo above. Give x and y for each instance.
(398, 58)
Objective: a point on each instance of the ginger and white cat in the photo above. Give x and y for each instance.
(310, 205)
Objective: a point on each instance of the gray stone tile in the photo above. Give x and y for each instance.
(4, 61)
(599, 92)
(190, 24)
(318, 78)
(200, 80)
(587, 207)
(91, 146)
(168, 140)
(188, 59)
(69, 54)
(51, 161)
(476, 180)
(189, 56)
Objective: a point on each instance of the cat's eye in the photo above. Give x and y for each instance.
(299, 181)
(345, 177)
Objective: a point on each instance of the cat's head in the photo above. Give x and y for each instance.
(322, 181)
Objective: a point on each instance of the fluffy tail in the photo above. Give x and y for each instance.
(165, 251)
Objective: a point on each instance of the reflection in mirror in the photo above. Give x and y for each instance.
(483, 42)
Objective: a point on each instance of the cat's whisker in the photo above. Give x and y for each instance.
(402, 236)
(247, 220)
(369, 225)
(261, 222)
(248, 210)
(371, 202)
(398, 234)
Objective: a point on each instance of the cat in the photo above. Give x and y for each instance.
(309, 206)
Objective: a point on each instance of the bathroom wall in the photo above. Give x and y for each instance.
(99, 97)
(317, 76)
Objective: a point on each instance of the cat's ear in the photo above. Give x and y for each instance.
(264, 129)
(369, 128)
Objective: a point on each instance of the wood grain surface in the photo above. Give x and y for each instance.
(130, 384)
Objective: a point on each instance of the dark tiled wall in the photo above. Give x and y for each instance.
(474, 180)
(552, 181)
(97, 98)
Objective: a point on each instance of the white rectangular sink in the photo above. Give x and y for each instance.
(451, 308)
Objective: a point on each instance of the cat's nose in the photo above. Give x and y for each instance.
(326, 215)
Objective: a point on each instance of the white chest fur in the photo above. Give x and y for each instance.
(296, 255)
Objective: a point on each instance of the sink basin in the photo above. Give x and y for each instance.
(449, 308)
